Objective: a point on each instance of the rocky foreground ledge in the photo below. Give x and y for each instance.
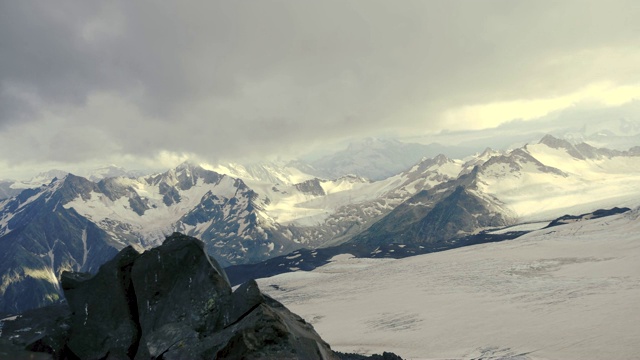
(171, 302)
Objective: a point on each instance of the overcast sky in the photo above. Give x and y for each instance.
(146, 82)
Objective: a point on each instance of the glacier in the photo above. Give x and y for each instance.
(567, 292)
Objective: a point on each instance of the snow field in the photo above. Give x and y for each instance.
(568, 292)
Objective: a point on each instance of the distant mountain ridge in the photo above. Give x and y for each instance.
(371, 158)
(73, 223)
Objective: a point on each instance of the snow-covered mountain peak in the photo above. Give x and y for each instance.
(436, 170)
(371, 143)
(441, 159)
(187, 165)
(516, 161)
(43, 178)
(344, 183)
(579, 151)
(352, 178)
(70, 187)
(554, 142)
(14, 210)
(264, 173)
(487, 152)
(185, 169)
(478, 159)
(580, 157)
(183, 177)
(108, 171)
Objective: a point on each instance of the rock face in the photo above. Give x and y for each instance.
(41, 239)
(437, 217)
(103, 305)
(567, 219)
(171, 302)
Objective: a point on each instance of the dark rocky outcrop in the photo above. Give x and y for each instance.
(102, 305)
(436, 216)
(171, 302)
(35, 334)
(311, 187)
(44, 238)
(385, 356)
(567, 219)
(114, 190)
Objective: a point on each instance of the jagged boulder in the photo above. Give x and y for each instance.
(267, 329)
(103, 309)
(35, 334)
(171, 302)
(182, 294)
(567, 219)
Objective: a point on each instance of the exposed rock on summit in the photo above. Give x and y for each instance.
(171, 302)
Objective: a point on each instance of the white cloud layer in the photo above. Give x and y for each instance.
(122, 81)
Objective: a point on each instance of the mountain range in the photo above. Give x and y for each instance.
(250, 213)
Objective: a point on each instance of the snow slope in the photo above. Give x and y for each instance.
(267, 172)
(581, 185)
(285, 203)
(568, 292)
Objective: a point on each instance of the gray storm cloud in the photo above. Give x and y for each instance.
(83, 80)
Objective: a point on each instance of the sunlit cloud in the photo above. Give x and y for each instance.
(147, 84)
(483, 116)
